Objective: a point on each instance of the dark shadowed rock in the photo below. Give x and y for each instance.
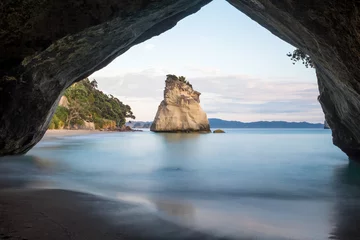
(329, 32)
(47, 45)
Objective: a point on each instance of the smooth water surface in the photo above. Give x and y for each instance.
(262, 183)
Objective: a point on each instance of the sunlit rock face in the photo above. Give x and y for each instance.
(180, 111)
(45, 46)
(329, 31)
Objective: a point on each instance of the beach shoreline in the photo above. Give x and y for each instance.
(65, 132)
(51, 133)
(40, 214)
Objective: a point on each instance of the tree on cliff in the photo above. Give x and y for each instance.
(172, 77)
(180, 78)
(298, 55)
(86, 103)
(94, 83)
(79, 108)
(74, 114)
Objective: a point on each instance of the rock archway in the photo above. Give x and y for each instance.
(46, 45)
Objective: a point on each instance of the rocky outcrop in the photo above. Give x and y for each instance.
(218, 131)
(329, 32)
(45, 46)
(326, 125)
(180, 111)
(48, 45)
(64, 102)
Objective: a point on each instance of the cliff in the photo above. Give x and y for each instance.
(180, 111)
(84, 106)
(326, 125)
(48, 45)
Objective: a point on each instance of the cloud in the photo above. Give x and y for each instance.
(233, 97)
(204, 71)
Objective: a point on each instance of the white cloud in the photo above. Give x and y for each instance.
(205, 70)
(233, 97)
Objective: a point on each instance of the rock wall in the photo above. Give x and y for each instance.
(64, 102)
(329, 32)
(180, 111)
(45, 46)
(48, 45)
(87, 126)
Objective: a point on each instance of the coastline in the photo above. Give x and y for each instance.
(61, 214)
(65, 132)
(53, 133)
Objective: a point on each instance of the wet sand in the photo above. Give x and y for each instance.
(60, 214)
(56, 214)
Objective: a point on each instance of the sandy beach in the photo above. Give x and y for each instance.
(57, 214)
(63, 132)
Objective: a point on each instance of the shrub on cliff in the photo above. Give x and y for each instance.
(298, 55)
(87, 103)
(180, 78)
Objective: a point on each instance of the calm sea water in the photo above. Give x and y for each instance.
(263, 183)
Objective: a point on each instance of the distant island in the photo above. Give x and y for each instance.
(220, 123)
(139, 124)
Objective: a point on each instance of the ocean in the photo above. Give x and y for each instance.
(257, 183)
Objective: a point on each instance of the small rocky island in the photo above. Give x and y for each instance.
(180, 111)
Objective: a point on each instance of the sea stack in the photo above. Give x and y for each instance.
(180, 111)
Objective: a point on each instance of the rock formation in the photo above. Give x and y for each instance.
(218, 131)
(329, 33)
(180, 111)
(48, 45)
(45, 46)
(64, 102)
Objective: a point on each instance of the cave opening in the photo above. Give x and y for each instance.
(243, 73)
(54, 57)
(240, 68)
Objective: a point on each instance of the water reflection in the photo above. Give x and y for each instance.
(185, 211)
(27, 163)
(178, 137)
(177, 161)
(347, 206)
(180, 147)
(25, 172)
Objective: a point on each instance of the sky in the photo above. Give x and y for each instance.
(240, 68)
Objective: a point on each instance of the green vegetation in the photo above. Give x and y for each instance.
(87, 103)
(298, 55)
(176, 78)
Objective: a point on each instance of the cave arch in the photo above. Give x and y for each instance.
(48, 45)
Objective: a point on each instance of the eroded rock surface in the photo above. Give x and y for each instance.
(45, 46)
(180, 111)
(48, 45)
(329, 32)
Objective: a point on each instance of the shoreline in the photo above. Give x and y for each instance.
(51, 133)
(62, 214)
(71, 132)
